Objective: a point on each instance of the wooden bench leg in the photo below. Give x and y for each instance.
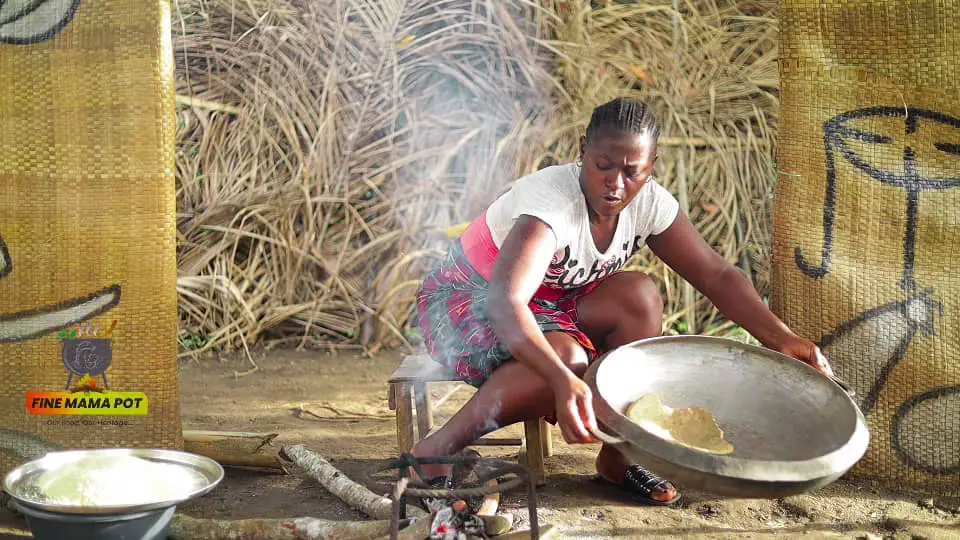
(546, 440)
(404, 402)
(535, 450)
(424, 410)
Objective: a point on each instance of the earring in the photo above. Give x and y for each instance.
(580, 161)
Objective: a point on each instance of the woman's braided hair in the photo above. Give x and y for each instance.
(623, 114)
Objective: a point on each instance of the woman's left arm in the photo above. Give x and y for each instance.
(683, 249)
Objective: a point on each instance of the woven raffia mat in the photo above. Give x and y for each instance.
(87, 223)
(867, 219)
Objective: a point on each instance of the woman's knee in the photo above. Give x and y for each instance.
(570, 351)
(639, 295)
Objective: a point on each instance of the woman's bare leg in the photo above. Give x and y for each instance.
(624, 308)
(513, 393)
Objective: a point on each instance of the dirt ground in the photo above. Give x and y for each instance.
(357, 432)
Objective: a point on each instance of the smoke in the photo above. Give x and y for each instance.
(491, 423)
(473, 89)
(476, 88)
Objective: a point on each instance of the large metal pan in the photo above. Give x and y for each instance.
(793, 430)
(20, 483)
(143, 520)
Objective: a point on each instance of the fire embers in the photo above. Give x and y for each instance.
(455, 521)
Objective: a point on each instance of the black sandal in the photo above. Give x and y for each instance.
(642, 482)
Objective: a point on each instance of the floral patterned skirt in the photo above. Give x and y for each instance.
(452, 316)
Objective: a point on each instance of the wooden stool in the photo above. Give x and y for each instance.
(408, 386)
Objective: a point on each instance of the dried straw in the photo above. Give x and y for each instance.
(346, 133)
(709, 69)
(324, 146)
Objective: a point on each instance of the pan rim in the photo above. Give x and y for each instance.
(736, 468)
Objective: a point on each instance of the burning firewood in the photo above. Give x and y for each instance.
(302, 528)
(337, 483)
(497, 525)
(491, 502)
(229, 448)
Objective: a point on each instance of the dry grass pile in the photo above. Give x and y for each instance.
(323, 146)
(708, 67)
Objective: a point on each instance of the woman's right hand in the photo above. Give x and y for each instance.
(574, 410)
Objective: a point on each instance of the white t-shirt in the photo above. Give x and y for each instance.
(553, 195)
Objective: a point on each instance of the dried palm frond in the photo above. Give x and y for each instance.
(708, 68)
(345, 136)
(325, 147)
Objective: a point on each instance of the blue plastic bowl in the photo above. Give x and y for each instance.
(150, 525)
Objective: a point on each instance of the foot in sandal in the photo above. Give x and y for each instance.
(643, 485)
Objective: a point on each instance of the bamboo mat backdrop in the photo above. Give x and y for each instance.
(867, 218)
(861, 244)
(87, 220)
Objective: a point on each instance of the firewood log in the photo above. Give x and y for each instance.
(230, 448)
(302, 528)
(345, 489)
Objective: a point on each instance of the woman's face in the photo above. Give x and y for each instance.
(615, 166)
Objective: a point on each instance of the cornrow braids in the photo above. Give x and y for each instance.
(623, 114)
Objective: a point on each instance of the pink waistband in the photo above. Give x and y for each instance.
(481, 252)
(478, 246)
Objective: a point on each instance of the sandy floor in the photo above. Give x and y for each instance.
(358, 432)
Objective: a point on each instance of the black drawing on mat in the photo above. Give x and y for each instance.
(887, 331)
(23, 22)
(37, 322)
(6, 264)
(925, 406)
(876, 341)
(838, 135)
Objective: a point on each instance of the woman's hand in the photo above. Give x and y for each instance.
(524, 259)
(684, 250)
(574, 410)
(807, 352)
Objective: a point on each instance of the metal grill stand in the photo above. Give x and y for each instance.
(495, 469)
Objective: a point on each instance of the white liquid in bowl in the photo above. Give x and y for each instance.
(115, 480)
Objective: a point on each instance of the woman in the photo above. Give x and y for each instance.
(532, 292)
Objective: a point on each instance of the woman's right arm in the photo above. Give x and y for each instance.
(521, 265)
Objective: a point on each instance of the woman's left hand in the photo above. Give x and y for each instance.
(807, 352)
(687, 253)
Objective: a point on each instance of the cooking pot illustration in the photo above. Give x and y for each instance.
(88, 356)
